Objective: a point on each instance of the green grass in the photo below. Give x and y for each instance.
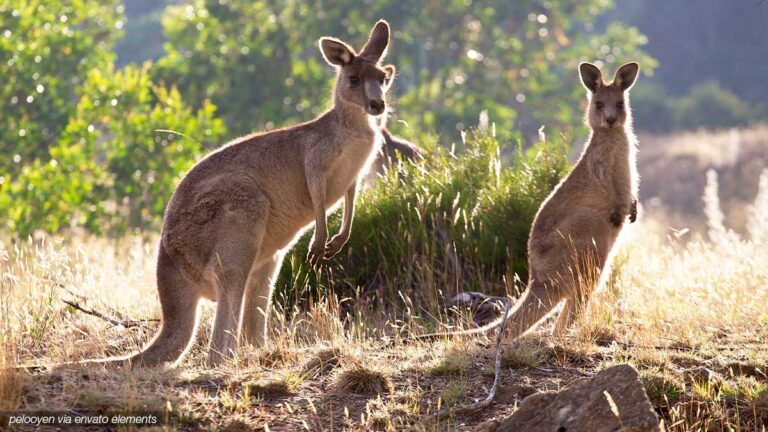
(453, 393)
(662, 388)
(453, 363)
(457, 220)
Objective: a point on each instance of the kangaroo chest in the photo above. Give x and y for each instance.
(353, 161)
(609, 165)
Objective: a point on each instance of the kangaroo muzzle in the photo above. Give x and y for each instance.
(376, 107)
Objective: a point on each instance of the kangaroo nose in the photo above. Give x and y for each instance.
(376, 106)
(611, 121)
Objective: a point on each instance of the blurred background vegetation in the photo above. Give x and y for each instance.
(91, 88)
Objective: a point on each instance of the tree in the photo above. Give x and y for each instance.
(112, 169)
(47, 47)
(258, 61)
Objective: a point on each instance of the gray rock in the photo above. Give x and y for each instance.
(703, 376)
(484, 308)
(613, 400)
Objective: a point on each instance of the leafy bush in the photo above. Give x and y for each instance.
(47, 48)
(707, 105)
(517, 60)
(651, 109)
(111, 170)
(455, 221)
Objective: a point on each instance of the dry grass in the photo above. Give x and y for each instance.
(362, 380)
(671, 305)
(673, 171)
(525, 354)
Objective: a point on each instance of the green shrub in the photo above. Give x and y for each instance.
(455, 221)
(47, 48)
(651, 109)
(111, 169)
(709, 105)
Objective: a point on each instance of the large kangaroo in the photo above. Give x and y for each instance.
(236, 213)
(577, 225)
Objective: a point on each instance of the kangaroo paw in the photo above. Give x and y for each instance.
(315, 255)
(633, 211)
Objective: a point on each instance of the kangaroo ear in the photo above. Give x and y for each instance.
(590, 76)
(390, 70)
(336, 52)
(376, 47)
(626, 76)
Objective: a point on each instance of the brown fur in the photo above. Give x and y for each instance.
(577, 225)
(236, 213)
(393, 151)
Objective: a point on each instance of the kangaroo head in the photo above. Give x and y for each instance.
(608, 102)
(360, 79)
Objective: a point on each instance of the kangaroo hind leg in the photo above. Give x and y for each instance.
(258, 295)
(237, 248)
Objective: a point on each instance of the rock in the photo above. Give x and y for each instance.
(509, 394)
(484, 308)
(703, 376)
(487, 426)
(584, 406)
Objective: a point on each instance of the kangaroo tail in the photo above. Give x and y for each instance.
(179, 302)
(529, 309)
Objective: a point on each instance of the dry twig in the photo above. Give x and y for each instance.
(126, 323)
(496, 379)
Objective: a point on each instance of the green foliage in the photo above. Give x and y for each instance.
(259, 61)
(84, 149)
(457, 220)
(47, 47)
(708, 105)
(111, 170)
(651, 109)
(709, 40)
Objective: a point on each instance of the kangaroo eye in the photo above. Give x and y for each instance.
(620, 105)
(599, 105)
(354, 80)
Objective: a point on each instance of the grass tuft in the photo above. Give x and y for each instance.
(378, 416)
(265, 388)
(662, 388)
(322, 362)
(358, 379)
(460, 219)
(13, 386)
(525, 354)
(451, 395)
(454, 362)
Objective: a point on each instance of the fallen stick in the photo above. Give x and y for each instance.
(110, 310)
(447, 412)
(126, 323)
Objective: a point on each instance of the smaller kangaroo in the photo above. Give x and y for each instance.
(394, 150)
(236, 213)
(577, 224)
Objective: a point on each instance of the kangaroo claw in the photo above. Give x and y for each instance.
(633, 211)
